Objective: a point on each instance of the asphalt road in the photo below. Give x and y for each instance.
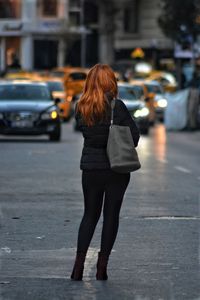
(157, 252)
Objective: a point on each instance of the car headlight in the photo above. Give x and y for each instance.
(51, 115)
(162, 103)
(54, 114)
(1, 116)
(141, 112)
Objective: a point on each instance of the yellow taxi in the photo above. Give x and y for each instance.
(23, 75)
(57, 90)
(166, 79)
(73, 78)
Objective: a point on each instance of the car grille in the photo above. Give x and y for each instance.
(18, 116)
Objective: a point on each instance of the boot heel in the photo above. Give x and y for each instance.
(102, 267)
(77, 273)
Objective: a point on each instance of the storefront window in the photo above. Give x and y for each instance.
(10, 9)
(13, 52)
(49, 8)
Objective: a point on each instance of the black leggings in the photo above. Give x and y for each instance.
(98, 186)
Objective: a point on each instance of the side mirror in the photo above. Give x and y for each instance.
(57, 101)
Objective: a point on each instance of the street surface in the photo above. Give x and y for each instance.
(157, 252)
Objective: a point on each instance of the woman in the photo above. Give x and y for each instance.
(101, 186)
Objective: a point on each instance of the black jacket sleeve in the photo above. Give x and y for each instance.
(125, 119)
(77, 118)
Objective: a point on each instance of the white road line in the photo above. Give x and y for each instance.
(182, 169)
(173, 218)
(162, 160)
(56, 263)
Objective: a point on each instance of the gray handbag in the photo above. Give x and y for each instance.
(121, 151)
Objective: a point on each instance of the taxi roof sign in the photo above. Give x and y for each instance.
(137, 53)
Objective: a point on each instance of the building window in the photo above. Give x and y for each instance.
(131, 17)
(49, 8)
(74, 18)
(10, 9)
(90, 13)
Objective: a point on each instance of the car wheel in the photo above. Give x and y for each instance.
(55, 135)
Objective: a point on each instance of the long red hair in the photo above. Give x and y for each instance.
(100, 85)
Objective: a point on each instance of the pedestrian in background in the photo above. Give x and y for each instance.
(102, 187)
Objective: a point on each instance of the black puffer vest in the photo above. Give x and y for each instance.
(94, 155)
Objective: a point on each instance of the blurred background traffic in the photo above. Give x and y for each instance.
(48, 46)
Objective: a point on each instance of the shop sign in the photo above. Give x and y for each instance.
(13, 27)
(49, 26)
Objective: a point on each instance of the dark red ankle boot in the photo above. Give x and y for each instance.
(77, 273)
(102, 266)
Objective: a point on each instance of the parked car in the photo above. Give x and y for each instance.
(57, 90)
(27, 108)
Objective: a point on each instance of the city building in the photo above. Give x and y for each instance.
(40, 34)
(33, 33)
(137, 26)
(116, 27)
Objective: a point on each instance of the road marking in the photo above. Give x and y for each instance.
(172, 218)
(162, 160)
(182, 169)
(55, 263)
(90, 261)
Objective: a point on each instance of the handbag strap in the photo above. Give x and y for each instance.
(112, 111)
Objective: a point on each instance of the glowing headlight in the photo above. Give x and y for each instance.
(54, 114)
(49, 115)
(141, 112)
(1, 116)
(162, 103)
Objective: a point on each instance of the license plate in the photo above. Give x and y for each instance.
(22, 124)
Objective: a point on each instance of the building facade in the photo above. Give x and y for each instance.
(33, 33)
(116, 27)
(40, 34)
(134, 25)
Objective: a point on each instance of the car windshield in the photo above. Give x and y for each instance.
(127, 93)
(153, 88)
(170, 78)
(24, 92)
(78, 76)
(58, 73)
(55, 86)
(138, 91)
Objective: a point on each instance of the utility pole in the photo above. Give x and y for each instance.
(83, 34)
